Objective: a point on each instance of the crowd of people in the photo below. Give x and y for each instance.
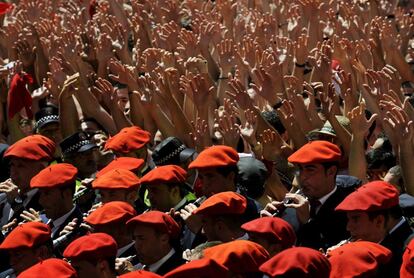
(189, 138)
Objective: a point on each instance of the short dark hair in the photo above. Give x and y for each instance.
(181, 187)
(227, 170)
(394, 212)
(382, 156)
(71, 187)
(273, 118)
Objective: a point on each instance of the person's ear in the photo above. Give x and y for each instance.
(379, 221)
(164, 238)
(332, 171)
(103, 267)
(231, 176)
(42, 252)
(131, 196)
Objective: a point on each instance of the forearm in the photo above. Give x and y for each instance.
(162, 122)
(274, 187)
(41, 67)
(15, 132)
(69, 122)
(120, 119)
(135, 112)
(357, 164)
(406, 155)
(342, 134)
(91, 107)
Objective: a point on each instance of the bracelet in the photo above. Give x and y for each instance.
(300, 65)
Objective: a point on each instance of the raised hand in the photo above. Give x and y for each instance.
(359, 123)
(238, 92)
(225, 56)
(249, 129)
(272, 144)
(31, 215)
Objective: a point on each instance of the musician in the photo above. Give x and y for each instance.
(273, 233)
(242, 257)
(117, 185)
(26, 245)
(78, 150)
(50, 268)
(56, 185)
(321, 226)
(374, 215)
(166, 188)
(28, 157)
(222, 215)
(200, 268)
(361, 259)
(131, 142)
(217, 169)
(93, 255)
(111, 219)
(297, 262)
(156, 235)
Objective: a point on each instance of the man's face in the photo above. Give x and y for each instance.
(209, 228)
(110, 195)
(123, 99)
(213, 182)
(315, 181)
(160, 197)
(52, 131)
(21, 260)
(139, 153)
(23, 170)
(51, 199)
(148, 244)
(85, 269)
(361, 227)
(85, 162)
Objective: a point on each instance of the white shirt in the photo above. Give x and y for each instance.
(123, 249)
(397, 226)
(8, 212)
(58, 222)
(323, 199)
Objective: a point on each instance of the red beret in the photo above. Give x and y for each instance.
(128, 163)
(407, 267)
(273, 227)
(297, 262)
(204, 268)
(358, 259)
(215, 156)
(33, 147)
(373, 196)
(4, 8)
(222, 203)
(27, 235)
(239, 256)
(157, 220)
(54, 176)
(165, 174)
(112, 212)
(316, 152)
(93, 246)
(128, 139)
(50, 268)
(140, 274)
(117, 179)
